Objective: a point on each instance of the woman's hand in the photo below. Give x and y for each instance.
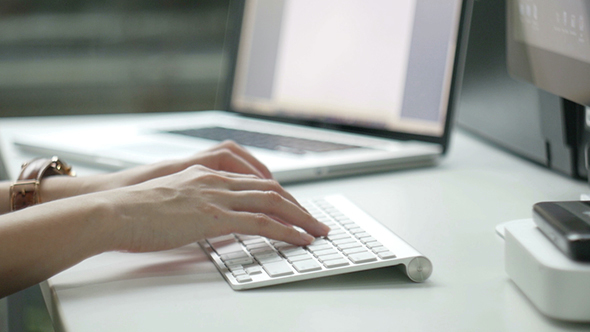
(148, 208)
(199, 203)
(227, 156)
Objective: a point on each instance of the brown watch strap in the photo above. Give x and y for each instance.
(25, 192)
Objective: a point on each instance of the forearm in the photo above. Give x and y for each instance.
(58, 187)
(40, 241)
(147, 208)
(227, 157)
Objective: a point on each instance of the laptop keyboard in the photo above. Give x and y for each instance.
(265, 141)
(356, 242)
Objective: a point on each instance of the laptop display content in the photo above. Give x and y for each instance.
(363, 76)
(380, 66)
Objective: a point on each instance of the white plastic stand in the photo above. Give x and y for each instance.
(558, 286)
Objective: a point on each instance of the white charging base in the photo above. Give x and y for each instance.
(558, 286)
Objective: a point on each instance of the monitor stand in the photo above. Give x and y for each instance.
(565, 127)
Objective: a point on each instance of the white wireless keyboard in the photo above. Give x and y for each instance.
(356, 242)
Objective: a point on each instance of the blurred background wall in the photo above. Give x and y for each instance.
(62, 57)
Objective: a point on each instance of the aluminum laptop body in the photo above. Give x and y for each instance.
(377, 79)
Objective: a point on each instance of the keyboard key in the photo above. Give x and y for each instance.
(379, 249)
(262, 251)
(336, 263)
(230, 238)
(361, 235)
(236, 258)
(238, 273)
(287, 252)
(367, 239)
(362, 257)
(336, 232)
(252, 270)
(243, 278)
(329, 257)
(307, 265)
(343, 241)
(373, 244)
(282, 248)
(334, 213)
(281, 244)
(318, 241)
(250, 239)
(337, 236)
(239, 261)
(277, 269)
(293, 259)
(356, 231)
(225, 245)
(230, 248)
(386, 255)
(258, 245)
(350, 227)
(269, 258)
(325, 252)
(324, 246)
(349, 245)
(334, 227)
(233, 268)
(354, 250)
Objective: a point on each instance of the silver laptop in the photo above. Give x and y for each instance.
(315, 89)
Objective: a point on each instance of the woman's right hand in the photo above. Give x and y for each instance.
(198, 203)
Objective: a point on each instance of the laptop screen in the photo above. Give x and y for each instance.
(379, 64)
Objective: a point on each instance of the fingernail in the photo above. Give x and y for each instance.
(325, 228)
(307, 238)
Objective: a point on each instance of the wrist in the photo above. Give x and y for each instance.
(100, 222)
(108, 219)
(25, 191)
(120, 219)
(59, 187)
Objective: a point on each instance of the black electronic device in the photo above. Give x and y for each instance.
(567, 225)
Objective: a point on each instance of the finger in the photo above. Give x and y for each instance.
(246, 156)
(226, 160)
(273, 204)
(261, 224)
(238, 176)
(262, 185)
(234, 163)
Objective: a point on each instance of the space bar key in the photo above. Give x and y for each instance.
(277, 269)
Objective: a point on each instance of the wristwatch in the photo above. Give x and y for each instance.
(25, 191)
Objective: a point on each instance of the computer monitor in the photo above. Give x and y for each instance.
(548, 45)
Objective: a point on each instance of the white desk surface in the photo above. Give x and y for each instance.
(447, 212)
